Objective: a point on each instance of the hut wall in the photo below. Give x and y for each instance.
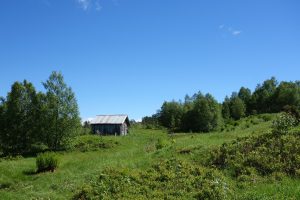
(124, 129)
(107, 129)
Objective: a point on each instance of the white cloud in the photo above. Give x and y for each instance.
(84, 4)
(230, 30)
(236, 33)
(138, 120)
(89, 4)
(89, 119)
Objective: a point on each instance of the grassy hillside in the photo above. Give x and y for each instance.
(137, 153)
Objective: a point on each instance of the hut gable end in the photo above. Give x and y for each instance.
(110, 124)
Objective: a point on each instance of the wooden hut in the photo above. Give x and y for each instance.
(110, 124)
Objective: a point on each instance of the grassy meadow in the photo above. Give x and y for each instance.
(80, 167)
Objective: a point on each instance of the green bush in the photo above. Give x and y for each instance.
(86, 143)
(161, 143)
(85, 193)
(46, 162)
(283, 123)
(262, 155)
(247, 126)
(14, 158)
(38, 148)
(236, 124)
(266, 117)
(5, 185)
(170, 179)
(254, 121)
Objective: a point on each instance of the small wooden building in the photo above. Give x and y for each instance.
(110, 124)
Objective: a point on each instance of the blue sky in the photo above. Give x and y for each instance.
(128, 56)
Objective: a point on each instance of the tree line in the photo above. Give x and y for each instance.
(202, 113)
(31, 121)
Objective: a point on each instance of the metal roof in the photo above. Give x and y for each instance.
(109, 119)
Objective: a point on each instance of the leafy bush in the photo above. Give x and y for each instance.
(14, 158)
(254, 121)
(247, 126)
(263, 155)
(266, 117)
(5, 185)
(46, 162)
(85, 193)
(38, 148)
(171, 179)
(283, 123)
(161, 143)
(91, 143)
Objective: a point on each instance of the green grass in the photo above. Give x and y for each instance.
(286, 189)
(135, 151)
(75, 168)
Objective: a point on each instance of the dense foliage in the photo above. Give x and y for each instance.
(18, 113)
(62, 115)
(30, 119)
(170, 179)
(46, 162)
(274, 152)
(86, 143)
(201, 113)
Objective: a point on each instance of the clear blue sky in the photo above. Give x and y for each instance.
(128, 56)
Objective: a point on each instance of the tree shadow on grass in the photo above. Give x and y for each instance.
(4, 186)
(30, 172)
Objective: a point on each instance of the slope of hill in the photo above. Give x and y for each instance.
(145, 160)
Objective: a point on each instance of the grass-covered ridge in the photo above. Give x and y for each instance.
(152, 161)
(260, 155)
(170, 179)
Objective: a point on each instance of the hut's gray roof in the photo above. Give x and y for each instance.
(109, 119)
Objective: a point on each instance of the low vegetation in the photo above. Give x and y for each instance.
(276, 152)
(46, 162)
(86, 143)
(260, 155)
(169, 179)
(254, 162)
(230, 171)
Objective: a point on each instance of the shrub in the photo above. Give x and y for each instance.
(10, 157)
(5, 185)
(85, 193)
(161, 143)
(262, 155)
(38, 148)
(90, 143)
(266, 117)
(46, 162)
(170, 179)
(254, 121)
(247, 126)
(283, 123)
